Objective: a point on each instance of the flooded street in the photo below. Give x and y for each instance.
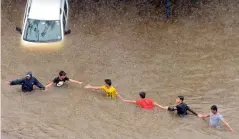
(197, 57)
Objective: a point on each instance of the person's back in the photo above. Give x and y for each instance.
(146, 103)
(110, 91)
(107, 89)
(182, 109)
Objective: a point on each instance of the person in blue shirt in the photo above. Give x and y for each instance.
(27, 83)
(215, 118)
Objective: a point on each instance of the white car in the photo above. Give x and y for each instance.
(45, 21)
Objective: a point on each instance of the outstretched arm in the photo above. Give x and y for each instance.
(193, 112)
(49, 84)
(93, 87)
(119, 96)
(203, 115)
(38, 84)
(16, 82)
(75, 81)
(156, 104)
(130, 101)
(226, 124)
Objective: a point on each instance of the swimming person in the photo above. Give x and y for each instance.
(27, 83)
(215, 118)
(108, 89)
(61, 79)
(181, 107)
(146, 103)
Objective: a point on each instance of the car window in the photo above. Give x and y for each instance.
(42, 30)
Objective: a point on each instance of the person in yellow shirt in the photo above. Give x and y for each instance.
(108, 89)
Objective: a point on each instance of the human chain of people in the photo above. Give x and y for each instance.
(29, 82)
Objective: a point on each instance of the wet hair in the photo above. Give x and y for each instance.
(214, 107)
(142, 94)
(108, 82)
(181, 97)
(62, 73)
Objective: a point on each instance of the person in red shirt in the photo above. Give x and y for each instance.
(143, 102)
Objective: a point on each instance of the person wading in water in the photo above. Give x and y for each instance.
(27, 83)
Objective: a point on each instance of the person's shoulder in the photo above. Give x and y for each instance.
(113, 87)
(139, 101)
(34, 78)
(22, 79)
(56, 78)
(103, 87)
(185, 103)
(218, 114)
(182, 104)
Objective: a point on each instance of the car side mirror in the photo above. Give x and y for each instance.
(19, 30)
(67, 32)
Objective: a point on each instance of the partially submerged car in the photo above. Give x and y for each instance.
(45, 22)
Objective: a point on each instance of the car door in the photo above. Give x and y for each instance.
(27, 8)
(65, 15)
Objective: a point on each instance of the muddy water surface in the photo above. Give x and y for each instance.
(197, 57)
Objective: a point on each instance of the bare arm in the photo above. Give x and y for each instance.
(203, 115)
(119, 96)
(49, 84)
(75, 81)
(226, 124)
(93, 87)
(156, 104)
(130, 101)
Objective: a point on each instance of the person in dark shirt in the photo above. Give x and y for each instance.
(61, 79)
(181, 108)
(167, 5)
(27, 83)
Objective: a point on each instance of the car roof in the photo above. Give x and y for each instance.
(45, 9)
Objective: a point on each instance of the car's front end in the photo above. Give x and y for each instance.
(43, 34)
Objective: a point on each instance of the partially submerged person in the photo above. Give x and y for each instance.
(181, 107)
(167, 5)
(108, 89)
(61, 79)
(146, 103)
(215, 118)
(27, 83)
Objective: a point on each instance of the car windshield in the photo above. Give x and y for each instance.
(42, 30)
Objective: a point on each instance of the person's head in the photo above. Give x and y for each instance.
(62, 74)
(179, 99)
(142, 95)
(214, 109)
(108, 82)
(29, 75)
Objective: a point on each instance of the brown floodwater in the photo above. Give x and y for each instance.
(197, 57)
